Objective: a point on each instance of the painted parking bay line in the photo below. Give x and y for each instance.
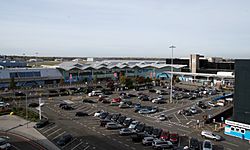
(86, 147)
(54, 132)
(49, 129)
(69, 143)
(77, 146)
(59, 135)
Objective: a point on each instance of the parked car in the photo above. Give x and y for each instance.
(103, 122)
(64, 139)
(95, 93)
(131, 95)
(144, 111)
(103, 115)
(193, 110)
(62, 104)
(115, 117)
(33, 105)
(88, 101)
(139, 136)
(147, 141)
(112, 126)
(144, 98)
(116, 100)
(98, 113)
(123, 105)
(121, 119)
(162, 117)
(174, 138)
(207, 145)
(42, 123)
(149, 129)
(194, 144)
(106, 101)
(133, 124)
(213, 104)
(127, 122)
(139, 127)
(201, 105)
(159, 100)
(126, 131)
(67, 107)
(4, 144)
(137, 107)
(165, 135)
(156, 133)
(210, 135)
(81, 114)
(161, 144)
(3, 104)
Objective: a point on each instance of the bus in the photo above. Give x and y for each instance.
(237, 129)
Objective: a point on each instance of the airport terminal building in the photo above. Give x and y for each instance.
(29, 77)
(103, 70)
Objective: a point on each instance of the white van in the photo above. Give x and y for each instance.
(95, 93)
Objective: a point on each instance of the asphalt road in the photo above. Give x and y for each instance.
(19, 142)
(88, 134)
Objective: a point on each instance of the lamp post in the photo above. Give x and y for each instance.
(171, 79)
(26, 103)
(36, 58)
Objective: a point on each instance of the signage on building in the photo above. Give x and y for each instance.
(238, 124)
(115, 75)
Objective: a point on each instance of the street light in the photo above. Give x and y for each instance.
(36, 58)
(171, 79)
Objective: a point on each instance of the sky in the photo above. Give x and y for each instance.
(125, 28)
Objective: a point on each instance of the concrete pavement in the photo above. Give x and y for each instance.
(15, 124)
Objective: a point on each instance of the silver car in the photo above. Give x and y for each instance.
(210, 135)
(161, 144)
(126, 131)
(4, 144)
(207, 145)
(147, 140)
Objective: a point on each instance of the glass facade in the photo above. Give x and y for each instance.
(25, 74)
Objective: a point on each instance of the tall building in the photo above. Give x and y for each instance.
(239, 125)
(194, 63)
(242, 91)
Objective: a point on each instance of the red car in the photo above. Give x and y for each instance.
(116, 100)
(165, 135)
(174, 137)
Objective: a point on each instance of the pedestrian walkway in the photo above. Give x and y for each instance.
(15, 124)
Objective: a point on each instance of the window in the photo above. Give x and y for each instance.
(232, 129)
(242, 131)
(237, 129)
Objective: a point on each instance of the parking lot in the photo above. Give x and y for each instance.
(65, 121)
(87, 133)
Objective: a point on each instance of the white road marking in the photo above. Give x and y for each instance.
(50, 129)
(185, 117)
(54, 132)
(177, 118)
(15, 147)
(188, 122)
(59, 135)
(86, 147)
(77, 145)
(69, 143)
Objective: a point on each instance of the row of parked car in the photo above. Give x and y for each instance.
(149, 135)
(138, 131)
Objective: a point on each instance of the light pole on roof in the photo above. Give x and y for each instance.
(171, 78)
